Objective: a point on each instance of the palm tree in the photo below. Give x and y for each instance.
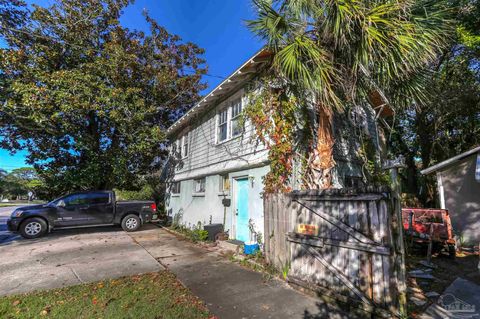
(339, 53)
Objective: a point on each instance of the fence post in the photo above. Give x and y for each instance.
(393, 166)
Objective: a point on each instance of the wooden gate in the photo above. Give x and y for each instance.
(340, 243)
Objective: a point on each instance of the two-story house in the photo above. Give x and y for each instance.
(219, 158)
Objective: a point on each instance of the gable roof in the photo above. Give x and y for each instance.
(450, 161)
(245, 72)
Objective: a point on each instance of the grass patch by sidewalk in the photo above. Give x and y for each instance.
(21, 203)
(154, 295)
(7, 204)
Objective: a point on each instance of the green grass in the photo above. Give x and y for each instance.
(154, 295)
(7, 204)
(21, 203)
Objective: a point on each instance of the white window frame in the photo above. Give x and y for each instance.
(185, 141)
(197, 181)
(235, 117)
(178, 150)
(174, 191)
(217, 126)
(228, 108)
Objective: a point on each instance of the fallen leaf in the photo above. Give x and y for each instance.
(16, 303)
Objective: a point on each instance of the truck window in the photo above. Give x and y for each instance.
(98, 198)
(76, 199)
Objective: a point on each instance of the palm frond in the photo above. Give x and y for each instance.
(343, 48)
(270, 25)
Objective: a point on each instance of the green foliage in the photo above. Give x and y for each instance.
(273, 115)
(145, 193)
(341, 51)
(145, 296)
(89, 99)
(19, 182)
(199, 235)
(330, 54)
(372, 170)
(449, 122)
(285, 270)
(195, 234)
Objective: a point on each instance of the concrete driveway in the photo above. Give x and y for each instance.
(70, 257)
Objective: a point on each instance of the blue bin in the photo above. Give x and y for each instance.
(249, 249)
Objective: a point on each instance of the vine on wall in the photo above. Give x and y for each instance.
(273, 115)
(285, 128)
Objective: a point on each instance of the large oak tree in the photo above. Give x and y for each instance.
(88, 98)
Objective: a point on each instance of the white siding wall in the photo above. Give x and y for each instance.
(205, 153)
(239, 156)
(193, 209)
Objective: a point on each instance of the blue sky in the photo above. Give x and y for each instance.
(215, 25)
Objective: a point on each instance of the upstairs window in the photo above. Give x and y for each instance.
(185, 145)
(176, 148)
(199, 185)
(235, 121)
(222, 125)
(229, 121)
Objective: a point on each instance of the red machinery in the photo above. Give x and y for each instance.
(424, 224)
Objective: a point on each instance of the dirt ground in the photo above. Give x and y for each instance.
(465, 265)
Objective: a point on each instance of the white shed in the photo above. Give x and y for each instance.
(458, 182)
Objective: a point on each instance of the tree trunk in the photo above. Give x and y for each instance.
(321, 160)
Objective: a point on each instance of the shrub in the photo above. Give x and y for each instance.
(146, 193)
(196, 234)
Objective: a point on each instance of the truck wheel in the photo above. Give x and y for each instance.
(131, 222)
(33, 228)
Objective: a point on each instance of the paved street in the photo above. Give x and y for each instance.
(4, 215)
(6, 211)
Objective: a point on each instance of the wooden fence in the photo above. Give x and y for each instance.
(344, 244)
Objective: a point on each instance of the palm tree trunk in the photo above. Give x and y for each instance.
(321, 160)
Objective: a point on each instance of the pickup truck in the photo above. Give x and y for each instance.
(82, 209)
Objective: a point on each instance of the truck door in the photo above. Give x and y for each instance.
(101, 208)
(71, 210)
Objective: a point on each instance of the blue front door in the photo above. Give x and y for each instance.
(243, 232)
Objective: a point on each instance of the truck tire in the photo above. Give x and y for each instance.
(131, 223)
(33, 228)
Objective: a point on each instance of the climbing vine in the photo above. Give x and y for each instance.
(286, 129)
(272, 113)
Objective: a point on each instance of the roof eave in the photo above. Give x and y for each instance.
(449, 161)
(233, 80)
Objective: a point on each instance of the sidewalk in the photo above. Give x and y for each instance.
(229, 290)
